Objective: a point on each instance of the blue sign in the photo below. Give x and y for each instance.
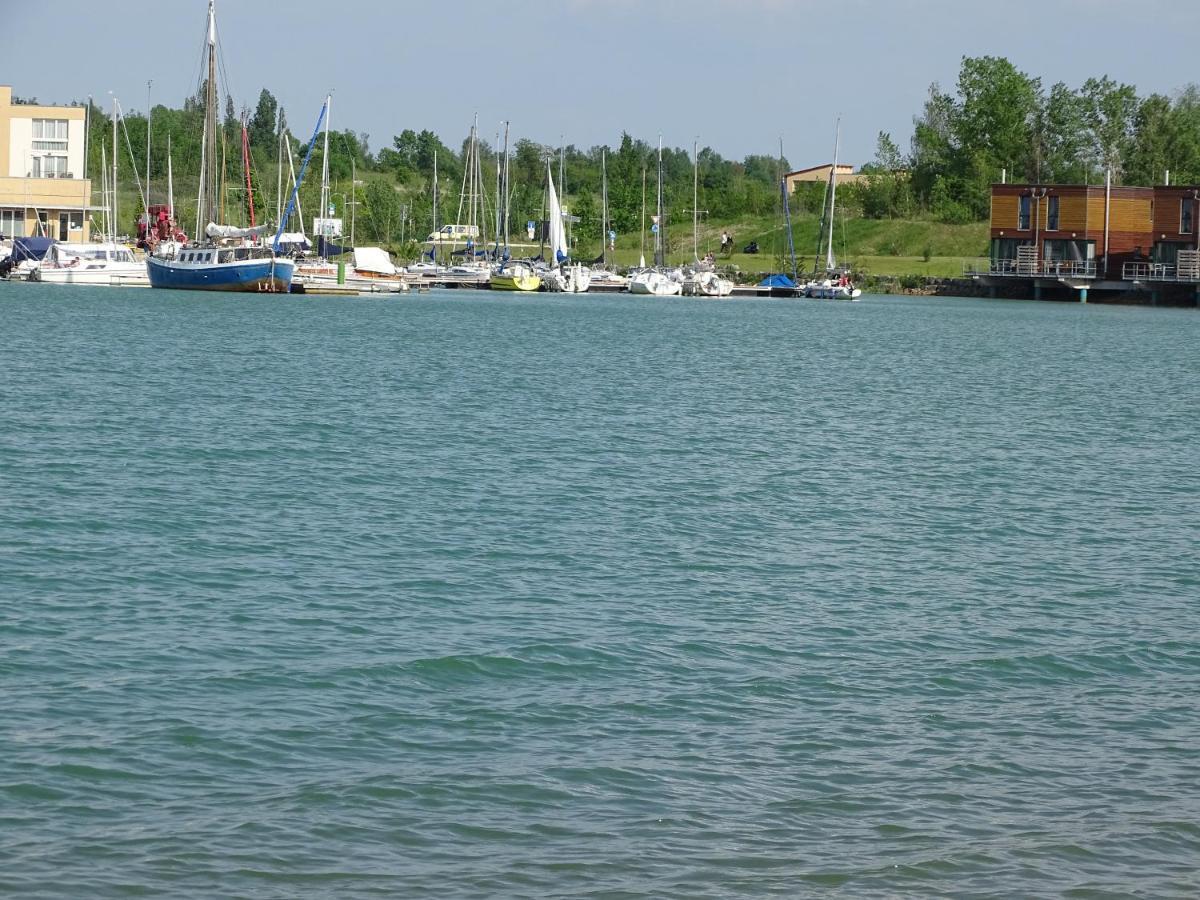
(529, 224)
(654, 228)
(612, 235)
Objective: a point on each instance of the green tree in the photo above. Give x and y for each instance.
(1110, 110)
(1063, 151)
(266, 116)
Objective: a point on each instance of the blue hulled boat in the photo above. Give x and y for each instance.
(212, 267)
(231, 259)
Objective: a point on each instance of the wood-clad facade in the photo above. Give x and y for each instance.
(1071, 225)
(1176, 222)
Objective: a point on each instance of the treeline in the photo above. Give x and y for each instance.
(1000, 119)
(394, 187)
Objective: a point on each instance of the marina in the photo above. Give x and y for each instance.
(666, 451)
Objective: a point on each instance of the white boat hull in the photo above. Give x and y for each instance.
(121, 276)
(654, 284)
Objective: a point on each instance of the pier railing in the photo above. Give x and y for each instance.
(1014, 268)
(1142, 271)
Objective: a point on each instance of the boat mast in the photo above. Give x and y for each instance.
(787, 212)
(115, 226)
(246, 169)
(696, 200)
(642, 258)
(104, 192)
(473, 221)
(604, 206)
(496, 238)
(170, 183)
(148, 109)
(279, 175)
(209, 177)
(562, 183)
(830, 262)
(659, 242)
(504, 183)
(435, 193)
(323, 212)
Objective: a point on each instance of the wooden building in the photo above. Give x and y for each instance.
(1176, 223)
(1081, 231)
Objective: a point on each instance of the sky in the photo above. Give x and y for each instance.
(734, 75)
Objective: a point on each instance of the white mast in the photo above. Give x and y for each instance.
(696, 200)
(504, 219)
(604, 205)
(115, 226)
(324, 211)
(292, 173)
(104, 191)
(475, 185)
(170, 182)
(660, 250)
(830, 262)
(279, 177)
(642, 256)
(148, 109)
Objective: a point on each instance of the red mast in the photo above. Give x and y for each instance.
(246, 168)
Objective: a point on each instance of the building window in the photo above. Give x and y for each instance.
(12, 222)
(1052, 214)
(1185, 216)
(1023, 213)
(49, 167)
(50, 134)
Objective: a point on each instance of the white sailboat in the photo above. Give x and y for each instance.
(509, 275)
(701, 279)
(95, 264)
(106, 263)
(836, 285)
(565, 276)
(604, 275)
(656, 281)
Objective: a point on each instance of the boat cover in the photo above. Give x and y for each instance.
(30, 248)
(373, 259)
(777, 281)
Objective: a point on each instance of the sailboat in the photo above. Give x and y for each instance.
(232, 259)
(780, 285)
(836, 285)
(509, 276)
(701, 279)
(655, 281)
(566, 276)
(603, 275)
(103, 263)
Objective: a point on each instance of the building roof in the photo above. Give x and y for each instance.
(824, 167)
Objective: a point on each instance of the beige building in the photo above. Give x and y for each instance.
(43, 190)
(845, 175)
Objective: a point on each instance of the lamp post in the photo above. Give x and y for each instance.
(1038, 194)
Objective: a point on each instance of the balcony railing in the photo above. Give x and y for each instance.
(1046, 268)
(1141, 271)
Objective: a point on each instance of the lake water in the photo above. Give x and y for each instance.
(466, 595)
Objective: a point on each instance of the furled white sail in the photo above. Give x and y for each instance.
(558, 232)
(225, 232)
